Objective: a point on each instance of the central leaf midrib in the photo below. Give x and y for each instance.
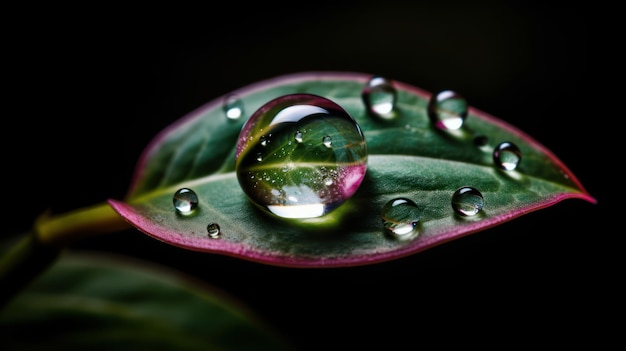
(232, 175)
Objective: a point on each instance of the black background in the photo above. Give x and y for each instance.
(87, 88)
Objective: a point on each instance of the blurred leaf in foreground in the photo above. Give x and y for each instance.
(88, 302)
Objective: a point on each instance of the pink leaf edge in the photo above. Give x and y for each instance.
(217, 246)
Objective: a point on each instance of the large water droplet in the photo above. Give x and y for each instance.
(400, 218)
(233, 106)
(307, 178)
(379, 96)
(467, 201)
(213, 229)
(447, 110)
(185, 201)
(507, 156)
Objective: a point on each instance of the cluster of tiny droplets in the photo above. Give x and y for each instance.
(186, 203)
(447, 110)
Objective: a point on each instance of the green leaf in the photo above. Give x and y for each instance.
(88, 302)
(408, 157)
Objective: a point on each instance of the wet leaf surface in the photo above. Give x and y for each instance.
(408, 157)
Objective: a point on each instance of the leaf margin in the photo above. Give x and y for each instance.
(146, 225)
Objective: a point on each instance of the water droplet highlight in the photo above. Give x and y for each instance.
(379, 96)
(467, 201)
(298, 137)
(507, 156)
(185, 201)
(400, 218)
(327, 141)
(213, 229)
(233, 106)
(265, 139)
(447, 110)
(307, 178)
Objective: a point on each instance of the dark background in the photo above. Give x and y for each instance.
(87, 88)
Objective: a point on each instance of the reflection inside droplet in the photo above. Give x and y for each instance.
(185, 201)
(213, 230)
(507, 156)
(447, 110)
(233, 106)
(400, 217)
(311, 176)
(467, 201)
(379, 96)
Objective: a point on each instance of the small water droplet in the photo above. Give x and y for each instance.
(447, 110)
(507, 156)
(233, 106)
(291, 180)
(213, 229)
(298, 136)
(467, 201)
(185, 201)
(400, 217)
(327, 141)
(265, 139)
(379, 96)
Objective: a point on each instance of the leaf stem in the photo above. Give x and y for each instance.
(61, 230)
(38, 249)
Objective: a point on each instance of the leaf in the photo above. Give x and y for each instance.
(105, 303)
(408, 158)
